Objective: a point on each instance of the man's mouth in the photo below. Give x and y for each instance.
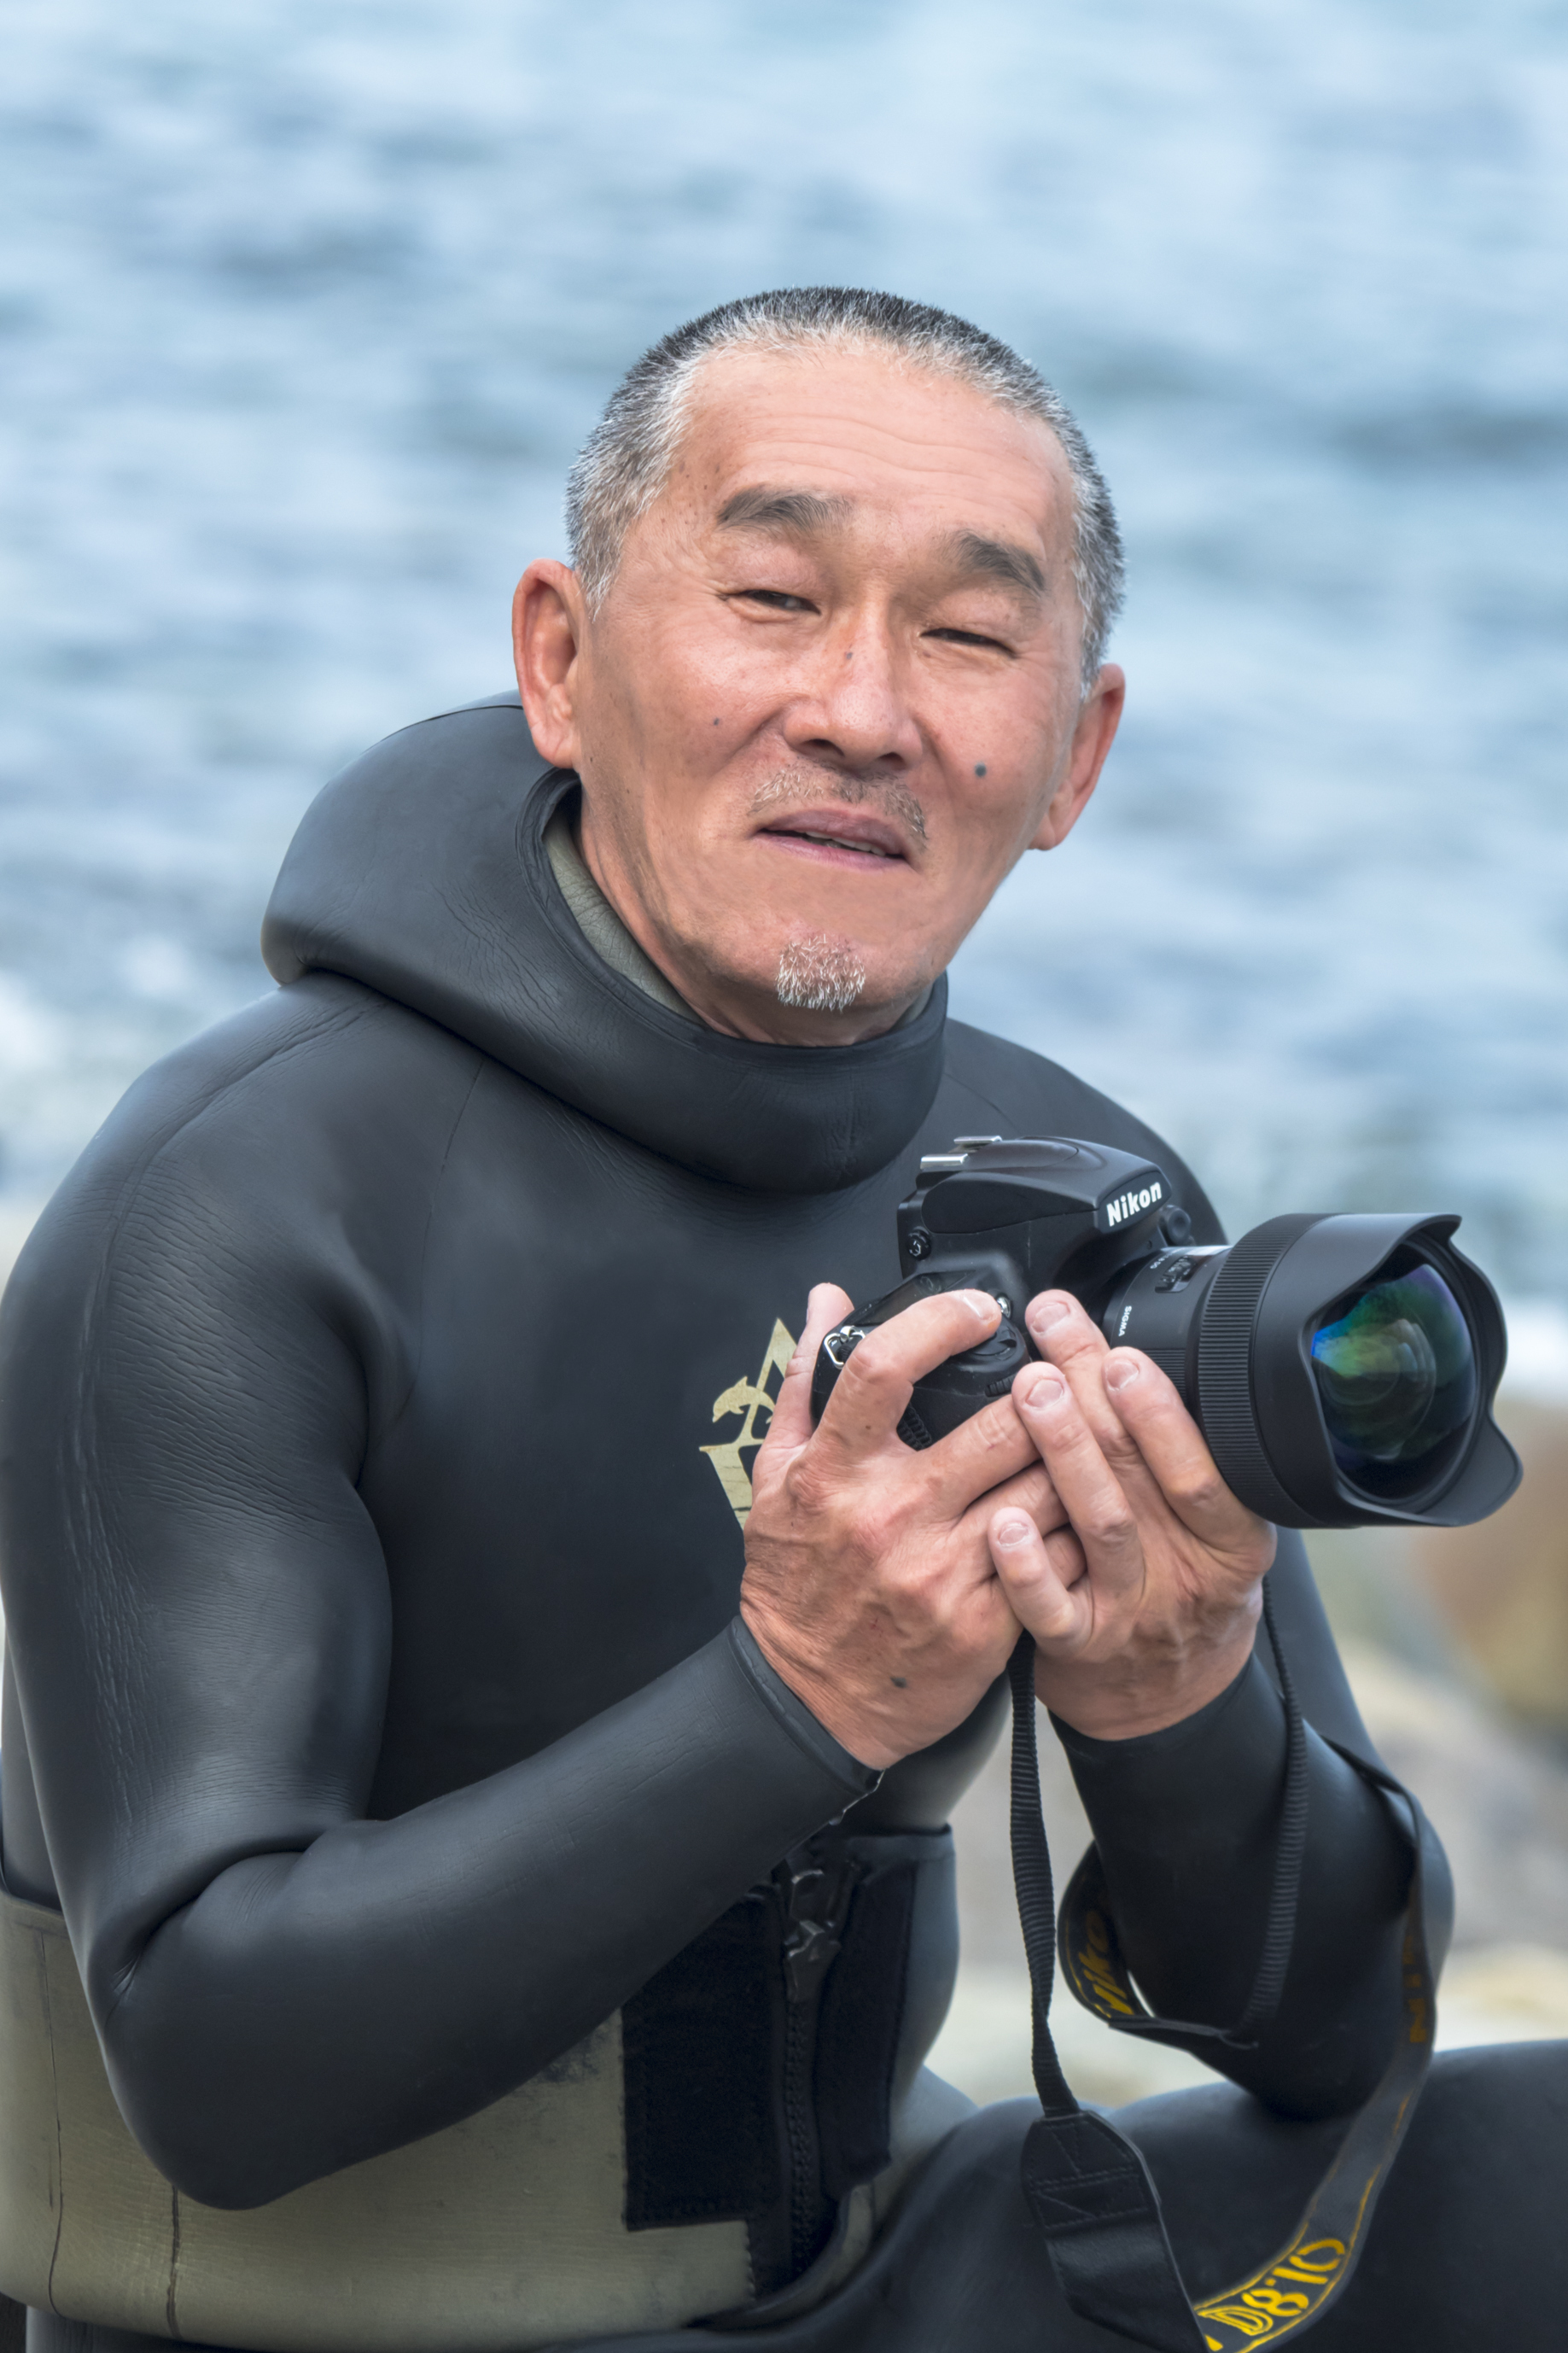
(847, 837)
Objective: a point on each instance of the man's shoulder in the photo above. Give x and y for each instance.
(325, 1056)
(1006, 1089)
(275, 1121)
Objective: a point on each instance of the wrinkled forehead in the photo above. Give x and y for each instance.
(877, 438)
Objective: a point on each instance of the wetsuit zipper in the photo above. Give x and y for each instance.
(803, 2202)
(814, 1891)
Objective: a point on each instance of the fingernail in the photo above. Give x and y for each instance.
(1013, 1532)
(1046, 1389)
(985, 1306)
(1046, 1312)
(1121, 1371)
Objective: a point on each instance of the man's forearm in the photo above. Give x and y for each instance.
(1187, 1821)
(310, 2010)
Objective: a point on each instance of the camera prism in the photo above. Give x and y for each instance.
(1343, 1368)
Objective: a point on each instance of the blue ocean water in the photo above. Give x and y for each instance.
(304, 305)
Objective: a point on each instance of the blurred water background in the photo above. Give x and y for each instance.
(305, 305)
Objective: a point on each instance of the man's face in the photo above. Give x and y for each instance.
(832, 694)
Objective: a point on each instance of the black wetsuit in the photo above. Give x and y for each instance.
(370, 1595)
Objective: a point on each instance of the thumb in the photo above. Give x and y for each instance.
(791, 1425)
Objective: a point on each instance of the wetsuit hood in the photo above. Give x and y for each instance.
(422, 871)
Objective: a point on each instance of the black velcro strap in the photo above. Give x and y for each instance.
(698, 2044)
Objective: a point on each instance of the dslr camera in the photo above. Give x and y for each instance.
(1343, 1368)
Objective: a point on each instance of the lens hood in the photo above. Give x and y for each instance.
(1266, 1385)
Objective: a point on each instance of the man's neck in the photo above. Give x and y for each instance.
(596, 919)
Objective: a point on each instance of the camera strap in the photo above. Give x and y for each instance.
(1088, 2187)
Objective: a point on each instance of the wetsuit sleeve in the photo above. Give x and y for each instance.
(1186, 1820)
(200, 1616)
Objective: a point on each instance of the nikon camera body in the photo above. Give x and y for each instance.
(1342, 1368)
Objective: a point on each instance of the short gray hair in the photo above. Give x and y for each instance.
(626, 460)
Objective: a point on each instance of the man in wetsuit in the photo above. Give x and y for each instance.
(495, 1796)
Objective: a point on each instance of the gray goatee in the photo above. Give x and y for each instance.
(819, 974)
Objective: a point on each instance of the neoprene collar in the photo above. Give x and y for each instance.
(445, 902)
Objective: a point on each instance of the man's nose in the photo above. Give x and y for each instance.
(857, 712)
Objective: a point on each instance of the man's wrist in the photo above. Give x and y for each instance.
(813, 1693)
(1161, 1741)
(1115, 1703)
(802, 1723)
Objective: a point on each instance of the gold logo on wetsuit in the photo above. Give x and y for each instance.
(748, 1398)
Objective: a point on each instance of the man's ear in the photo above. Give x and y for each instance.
(1097, 720)
(547, 628)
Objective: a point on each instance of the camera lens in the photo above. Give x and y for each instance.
(1342, 1368)
(1396, 1375)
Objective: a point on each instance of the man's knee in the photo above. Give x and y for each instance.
(1466, 2246)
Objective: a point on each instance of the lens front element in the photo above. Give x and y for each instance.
(1396, 1375)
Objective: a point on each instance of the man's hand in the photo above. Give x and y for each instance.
(870, 1583)
(1143, 1606)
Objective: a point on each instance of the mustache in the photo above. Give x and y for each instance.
(808, 787)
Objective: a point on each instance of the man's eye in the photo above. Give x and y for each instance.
(968, 638)
(779, 600)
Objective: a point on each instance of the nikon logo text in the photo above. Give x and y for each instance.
(1131, 1205)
